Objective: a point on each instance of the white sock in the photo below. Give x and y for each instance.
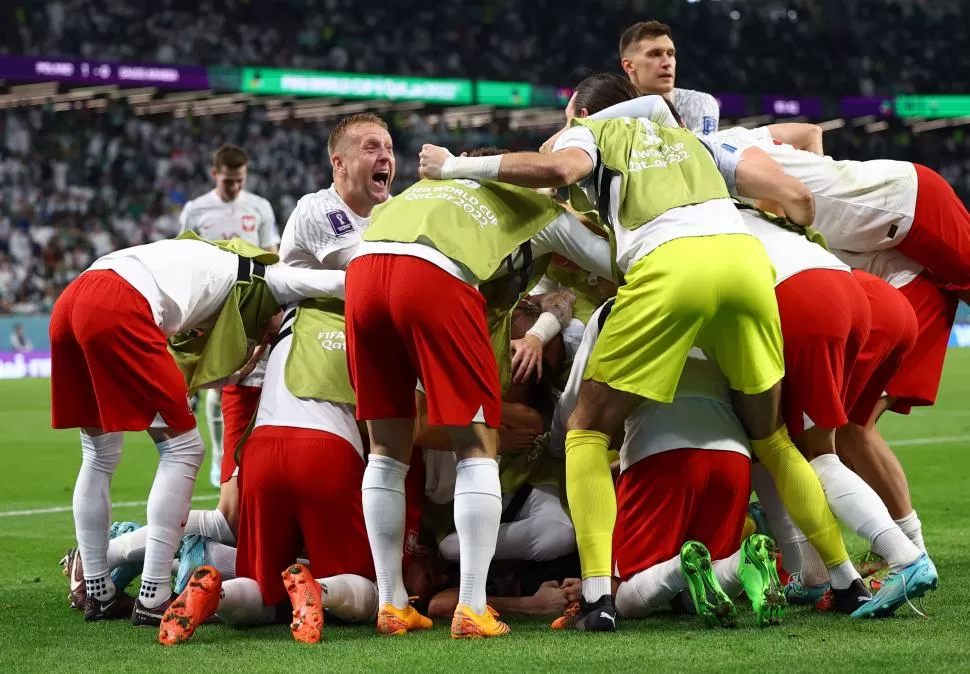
(168, 508)
(478, 513)
(211, 524)
(788, 536)
(911, 526)
(223, 557)
(650, 590)
(382, 493)
(726, 572)
(351, 598)
(842, 575)
(812, 568)
(595, 587)
(855, 504)
(100, 456)
(241, 603)
(127, 548)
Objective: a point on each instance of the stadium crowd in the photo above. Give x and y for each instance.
(862, 47)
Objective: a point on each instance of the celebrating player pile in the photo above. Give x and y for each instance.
(772, 302)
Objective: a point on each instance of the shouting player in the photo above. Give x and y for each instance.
(226, 212)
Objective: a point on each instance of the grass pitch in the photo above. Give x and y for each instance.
(38, 632)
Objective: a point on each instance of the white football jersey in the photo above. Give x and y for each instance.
(187, 282)
(859, 205)
(323, 232)
(790, 253)
(279, 407)
(890, 265)
(699, 111)
(248, 217)
(700, 417)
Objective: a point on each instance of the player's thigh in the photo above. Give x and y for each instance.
(658, 313)
(379, 363)
(73, 402)
(744, 336)
(331, 513)
(450, 343)
(718, 519)
(268, 537)
(655, 499)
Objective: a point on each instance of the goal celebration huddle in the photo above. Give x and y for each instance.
(531, 383)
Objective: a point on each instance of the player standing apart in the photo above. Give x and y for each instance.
(226, 212)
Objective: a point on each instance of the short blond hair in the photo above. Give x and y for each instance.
(345, 124)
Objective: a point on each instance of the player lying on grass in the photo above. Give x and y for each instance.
(112, 372)
(694, 275)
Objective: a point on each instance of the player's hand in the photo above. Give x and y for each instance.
(430, 161)
(526, 358)
(549, 599)
(572, 589)
(250, 365)
(516, 439)
(546, 147)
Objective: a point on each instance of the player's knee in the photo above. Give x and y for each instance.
(628, 603)
(553, 539)
(448, 548)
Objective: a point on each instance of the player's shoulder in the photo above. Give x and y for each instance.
(253, 199)
(693, 95)
(324, 207)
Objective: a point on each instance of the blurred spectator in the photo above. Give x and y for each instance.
(754, 46)
(19, 341)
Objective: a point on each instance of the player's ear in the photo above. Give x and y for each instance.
(338, 163)
(214, 172)
(627, 66)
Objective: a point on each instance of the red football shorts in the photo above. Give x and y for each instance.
(673, 497)
(940, 236)
(918, 378)
(407, 320)
(110, 367)
(300, 489)
(824, 322)
(892, 335)
(239, 405)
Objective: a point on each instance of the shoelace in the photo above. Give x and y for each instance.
(909, 603)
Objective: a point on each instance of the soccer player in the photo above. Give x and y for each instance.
(300, 488)
(826, 322)
(649, 59)
(414, 312)
(694, 274)
(871, 208)
(112, 372)
(226, 212)
(681, 495)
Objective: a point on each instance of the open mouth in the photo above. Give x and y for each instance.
(380, 179)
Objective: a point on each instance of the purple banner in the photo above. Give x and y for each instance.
(20, 365)
(732, 105)
(101, 72)
(792, 106)
(860, 106)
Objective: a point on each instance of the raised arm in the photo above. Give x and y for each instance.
(526, 169)
(758, 176)
(290, 284)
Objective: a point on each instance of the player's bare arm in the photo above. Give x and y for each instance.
(806, 137)
(758, 176)
(526, 169)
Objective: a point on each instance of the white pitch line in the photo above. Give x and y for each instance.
(67, 509)
(939, 440)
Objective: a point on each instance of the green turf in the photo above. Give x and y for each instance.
(38, 632)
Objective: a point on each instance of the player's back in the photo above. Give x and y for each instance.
(322, 232)
(248, 217)
(180, 279)
(859, 205)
